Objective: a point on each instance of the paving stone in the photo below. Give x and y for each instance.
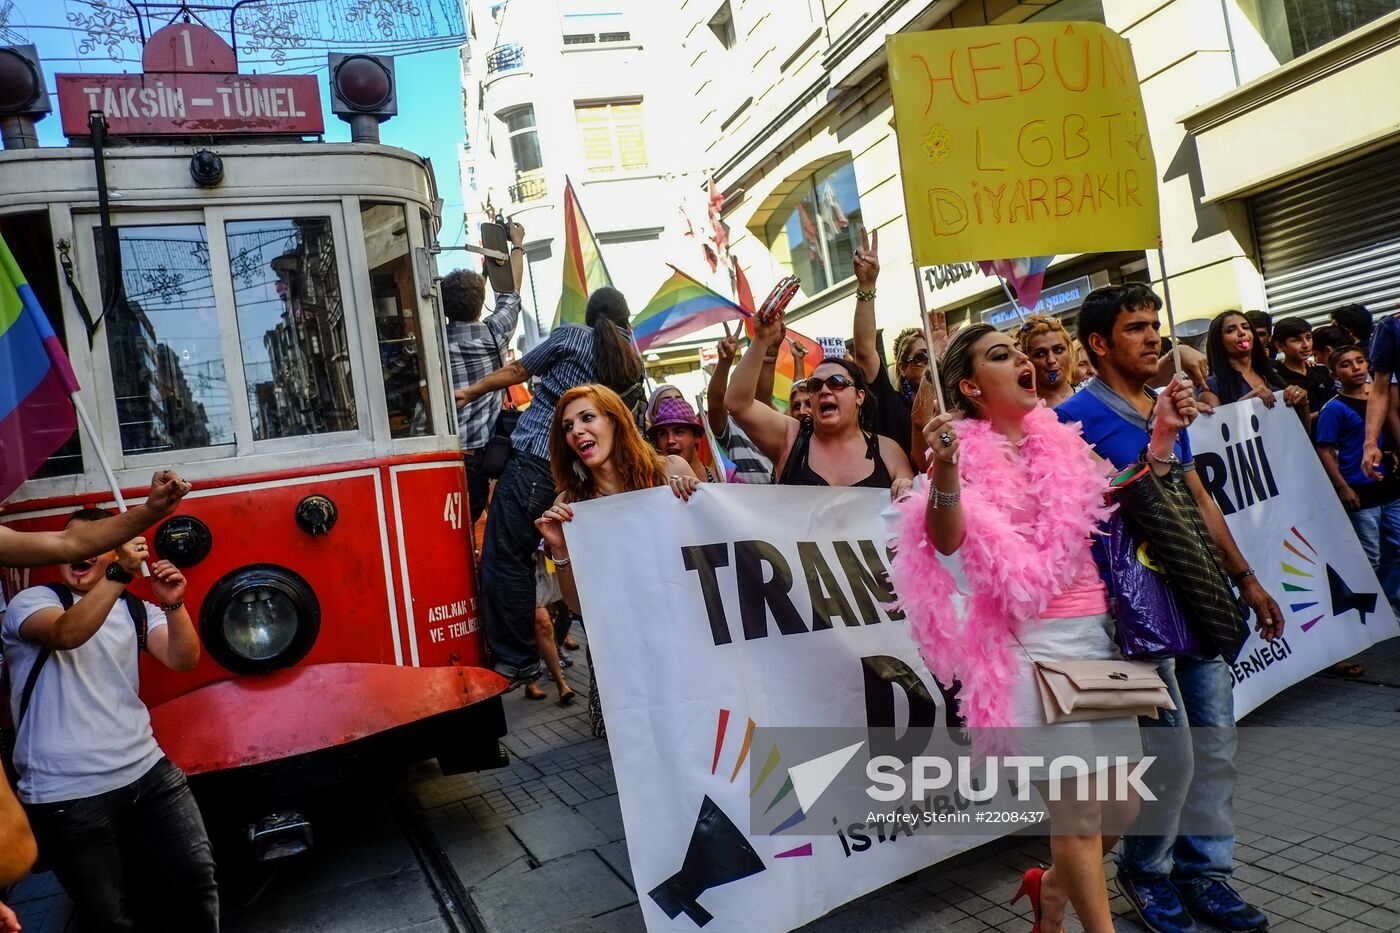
(480, 857)
(580, 884)
(615, 854)
(555, 831)
(604, 813)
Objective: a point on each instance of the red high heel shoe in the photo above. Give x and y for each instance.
(1030, 887)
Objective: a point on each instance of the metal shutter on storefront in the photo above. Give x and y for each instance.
(1332, 238)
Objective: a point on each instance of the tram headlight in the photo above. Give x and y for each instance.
(260, 618)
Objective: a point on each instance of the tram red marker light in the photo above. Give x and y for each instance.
(363, 83)
(21, 82)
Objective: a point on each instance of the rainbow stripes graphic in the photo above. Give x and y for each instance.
(584, 270)
(36, 417)
(766, 771)
(681, 306)
(1303, 577)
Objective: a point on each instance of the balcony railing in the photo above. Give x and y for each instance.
(527, 189)
(505, 58)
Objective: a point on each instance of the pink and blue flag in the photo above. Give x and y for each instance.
(1025, 277)
(681, 306)
(36, 379)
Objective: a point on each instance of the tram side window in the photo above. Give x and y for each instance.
(163, 338)
(396, 319)
(31, 241)
(291, 327)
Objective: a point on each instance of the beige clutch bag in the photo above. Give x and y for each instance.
(1073, 691)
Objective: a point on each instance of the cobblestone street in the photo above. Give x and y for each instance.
(538, 846)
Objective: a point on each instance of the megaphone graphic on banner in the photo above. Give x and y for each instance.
(718, 854)
(1344, 600)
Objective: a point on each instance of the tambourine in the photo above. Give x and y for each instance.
(779, 298)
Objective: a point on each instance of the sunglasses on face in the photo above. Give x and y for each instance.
(920, 358)
(835, 382)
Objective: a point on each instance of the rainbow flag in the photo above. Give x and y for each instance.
(36, 416)
(1025, 277)
(785, 369)
(681, 306)
(584, 270)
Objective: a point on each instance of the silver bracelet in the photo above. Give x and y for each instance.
(940, 499)
(561, 562)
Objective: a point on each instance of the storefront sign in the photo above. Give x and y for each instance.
(1054, 300)
(190, 85)
(1024, 140)
(937, 277)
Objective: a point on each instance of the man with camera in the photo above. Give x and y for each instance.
(108, 809)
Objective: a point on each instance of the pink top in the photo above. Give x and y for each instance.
(1086, 596)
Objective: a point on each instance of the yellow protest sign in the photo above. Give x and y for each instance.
(1024, 140)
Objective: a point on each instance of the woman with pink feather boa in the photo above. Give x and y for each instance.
(1014, 497)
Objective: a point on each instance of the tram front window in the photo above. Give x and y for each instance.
(163, 338)
(396, 318)
(291, 325)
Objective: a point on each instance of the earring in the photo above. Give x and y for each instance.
(975, 392)
(580, 471)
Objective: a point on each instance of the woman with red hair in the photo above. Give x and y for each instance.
(596, 450)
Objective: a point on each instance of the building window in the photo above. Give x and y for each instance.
(524, 139)
(816, 229)
(722, 25)
(611, 136)
(587, 21)
(1295, 27)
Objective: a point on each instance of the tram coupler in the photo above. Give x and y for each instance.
(279, 835)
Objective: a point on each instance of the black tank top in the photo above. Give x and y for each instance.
(798, 472)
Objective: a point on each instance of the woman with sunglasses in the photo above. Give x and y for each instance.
(833, 446)
(1051, 351)
(1014, 499)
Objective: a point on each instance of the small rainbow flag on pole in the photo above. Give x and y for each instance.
(36, 380)
(584, 270)
(681, 306)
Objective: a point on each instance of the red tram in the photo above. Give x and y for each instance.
(264, 318)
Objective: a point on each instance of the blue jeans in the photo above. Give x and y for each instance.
(1195, 777)
(523, 492)
(148, 835)
(1378, 529)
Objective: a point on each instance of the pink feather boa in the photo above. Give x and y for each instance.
(1027, 521)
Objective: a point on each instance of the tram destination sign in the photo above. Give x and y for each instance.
(190, 86)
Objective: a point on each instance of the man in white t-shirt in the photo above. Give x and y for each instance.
(105, 804)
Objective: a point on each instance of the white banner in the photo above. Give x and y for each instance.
(702, 624)
(761, 606)
(1262, 471)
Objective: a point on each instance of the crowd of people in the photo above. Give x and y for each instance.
(1000, 449)
(1034, 415)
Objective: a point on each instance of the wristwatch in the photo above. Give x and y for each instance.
(117, 574)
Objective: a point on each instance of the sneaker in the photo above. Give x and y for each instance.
(1156, 903)
(1218, 904)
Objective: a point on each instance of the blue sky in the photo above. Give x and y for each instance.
(430, 102)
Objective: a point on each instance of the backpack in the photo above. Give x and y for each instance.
(9, 734)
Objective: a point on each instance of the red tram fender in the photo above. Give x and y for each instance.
(306, 709)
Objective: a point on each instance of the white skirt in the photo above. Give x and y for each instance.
(1082, 638)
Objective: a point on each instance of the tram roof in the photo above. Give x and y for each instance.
(157, 175)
